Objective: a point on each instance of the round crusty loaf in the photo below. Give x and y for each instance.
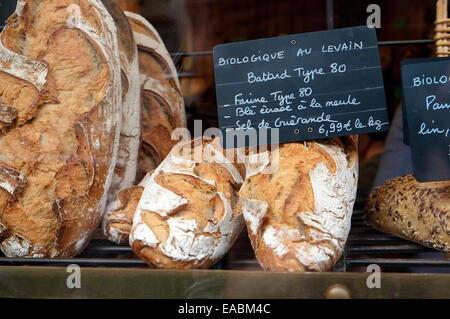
(415, 211)
(162, 103)
(189, 213)
(127, 158)
(298, 215)
(60, 92)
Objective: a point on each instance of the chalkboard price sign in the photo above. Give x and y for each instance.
(6, 9)
(308, 86)
(426, 87)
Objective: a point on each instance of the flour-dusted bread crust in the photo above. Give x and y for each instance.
(189, 213)
(60, 93)
(117, 225)
(415, 211)
(162, 102)
(162, 110)
(298, 216)
(130, 133)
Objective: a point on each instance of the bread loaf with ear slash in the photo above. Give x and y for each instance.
(60, 96)
(298, 215)
(189, 213)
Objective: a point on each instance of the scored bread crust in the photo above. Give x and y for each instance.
(415, 211)
(189, 213)
(61, 95)
(119, 218)
(127, 158)
(298, 216)
(162, 108)
(162, 104)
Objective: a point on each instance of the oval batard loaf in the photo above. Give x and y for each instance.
(161, 100)
(189, 213)
(127, 159)
(162, 110)
(60, 93)
(415, 211)
(298, 215)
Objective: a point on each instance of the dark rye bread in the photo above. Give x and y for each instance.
(415, 211)
(60, 94)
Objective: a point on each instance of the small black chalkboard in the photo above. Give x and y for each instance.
(7, 8)
(426, 88)
(309, 86)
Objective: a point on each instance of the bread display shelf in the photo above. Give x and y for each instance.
(112, 271)
(105, 276)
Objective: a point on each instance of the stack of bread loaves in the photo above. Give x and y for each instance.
(70, 119)
(297, 203)
(162, 110)
(89, 98)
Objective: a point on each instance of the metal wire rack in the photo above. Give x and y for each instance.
(365, 246)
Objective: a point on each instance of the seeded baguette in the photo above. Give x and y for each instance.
(419, 212)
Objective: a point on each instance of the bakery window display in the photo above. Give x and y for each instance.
(89, 127)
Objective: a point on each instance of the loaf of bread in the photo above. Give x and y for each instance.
(415, 211)
(127, 159)
(189, 213)
(162, 102)
(162, 111)
(298, 215)
(118, 222)
(60, 117)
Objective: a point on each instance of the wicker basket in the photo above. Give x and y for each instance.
(442, 29)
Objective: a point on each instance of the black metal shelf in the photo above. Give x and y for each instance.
(364, 243)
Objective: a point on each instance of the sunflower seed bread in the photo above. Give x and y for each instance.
(419, 212)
